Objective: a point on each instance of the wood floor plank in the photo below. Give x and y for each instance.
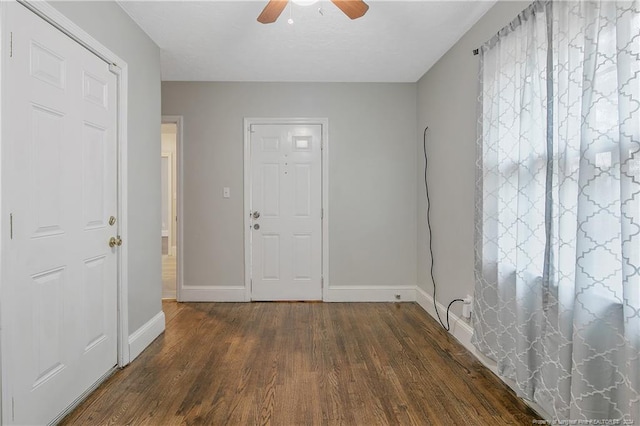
(302, 364)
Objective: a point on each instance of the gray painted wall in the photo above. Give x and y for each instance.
(372, 186)
(112, 27)
(374, 211)
(447, 96)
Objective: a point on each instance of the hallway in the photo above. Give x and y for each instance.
(168, 277)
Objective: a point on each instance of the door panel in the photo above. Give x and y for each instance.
(45, 171)
(94, 175)
(270, 187)
(48, 324)
(96, 288)
(302, 256)
(270, 257)
(286, 246)
(47, 65)
(60, 134)
(302, 190)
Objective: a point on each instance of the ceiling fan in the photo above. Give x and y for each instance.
(354, 9)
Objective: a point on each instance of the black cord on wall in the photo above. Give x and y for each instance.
(433, 280)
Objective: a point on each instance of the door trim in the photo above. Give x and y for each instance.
(169, 194)
(178, 121)
(119, 67)
(324, 123)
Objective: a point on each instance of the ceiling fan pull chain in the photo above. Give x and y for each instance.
(290, 20)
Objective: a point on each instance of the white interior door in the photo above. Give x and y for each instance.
(59, 178)
(286, 206)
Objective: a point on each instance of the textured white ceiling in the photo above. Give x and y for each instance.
(396, 41)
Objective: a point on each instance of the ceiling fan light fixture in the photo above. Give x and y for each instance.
(354, 9)
(304, 2)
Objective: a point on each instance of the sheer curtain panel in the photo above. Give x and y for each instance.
(557, 291)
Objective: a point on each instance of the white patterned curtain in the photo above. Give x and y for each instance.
(557, 301)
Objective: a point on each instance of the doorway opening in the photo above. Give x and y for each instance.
(169, 204)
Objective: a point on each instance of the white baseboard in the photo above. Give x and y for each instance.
(213, 294)
(332, 294)
(370, 294)
(142, 337)
(462, 331)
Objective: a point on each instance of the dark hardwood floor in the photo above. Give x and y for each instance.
(302, 364)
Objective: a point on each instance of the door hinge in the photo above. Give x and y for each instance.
(322, 213)
(13, 409)
(322, 281)
(11, 44)
(250, 129)
(11, 226)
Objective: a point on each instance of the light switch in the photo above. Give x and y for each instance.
(226, 192)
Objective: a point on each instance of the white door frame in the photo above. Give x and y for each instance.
(169, 189)
(51, 15)
(324, 123)
(177, 120)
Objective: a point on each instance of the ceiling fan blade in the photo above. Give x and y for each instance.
(354, 9)
(272, 10)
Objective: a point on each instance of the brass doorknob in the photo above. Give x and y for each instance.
(115, 241)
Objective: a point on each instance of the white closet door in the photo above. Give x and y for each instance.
(60, 137)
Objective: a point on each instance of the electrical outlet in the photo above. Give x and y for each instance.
(467, 306)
